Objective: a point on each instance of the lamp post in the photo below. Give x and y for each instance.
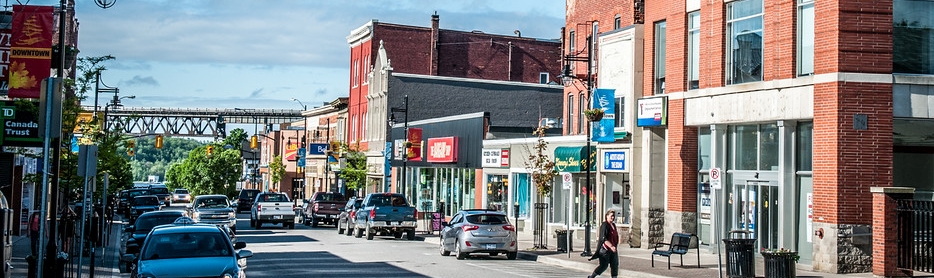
(405, 148)
(114, 103)
(568, 78)
(303, 142)
(255, 170)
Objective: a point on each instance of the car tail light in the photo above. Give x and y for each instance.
(353, 214)
(468, 228)
(512, 244)
(468, 243)
(416, 214)
(259, 207)
(372, 214)
(509, 228)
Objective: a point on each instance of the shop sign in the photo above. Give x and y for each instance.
(614, 160)
(317, 149)
(291, 151)
(652, 111)
(20, 124)
(414, 140)
(495, 158)
(442, 149)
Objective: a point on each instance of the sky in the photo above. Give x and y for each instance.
(261, 54)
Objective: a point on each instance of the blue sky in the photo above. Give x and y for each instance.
(260, 54)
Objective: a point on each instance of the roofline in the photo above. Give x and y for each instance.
(473, 80)
(443, 119)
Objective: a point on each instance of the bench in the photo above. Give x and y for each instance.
(679, 245)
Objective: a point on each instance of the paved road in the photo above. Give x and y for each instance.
(321, 252)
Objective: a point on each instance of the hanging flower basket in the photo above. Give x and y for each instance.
(594, 114)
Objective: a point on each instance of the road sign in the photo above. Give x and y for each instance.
(566, 180)
(715, 178)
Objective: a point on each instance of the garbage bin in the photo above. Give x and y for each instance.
(740, 259)
(564, 245)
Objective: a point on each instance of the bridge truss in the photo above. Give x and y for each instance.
(197, 122)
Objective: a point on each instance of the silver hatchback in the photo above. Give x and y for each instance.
(479, 231)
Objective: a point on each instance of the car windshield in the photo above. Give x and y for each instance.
(248, 194)
(487, 219)
(144, 224)
(329, 197)
(219, 202)
(159, 190)
(186, 245)
(181, 191)
(134, 193)
(146, 201)
(274, 198)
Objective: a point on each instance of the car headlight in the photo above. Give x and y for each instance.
(196, 215)
(228, 275)
(232, 215)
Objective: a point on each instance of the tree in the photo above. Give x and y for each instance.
(276, 169)
(354, 172)
(201, 174)
(541, 166)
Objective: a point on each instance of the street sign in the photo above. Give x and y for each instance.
(715, 178)
(566, 180)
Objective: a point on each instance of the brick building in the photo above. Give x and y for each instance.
(799, 114)
(433, 51)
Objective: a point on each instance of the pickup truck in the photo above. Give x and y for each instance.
(322, 207)
(213, 209)
(271, 207)
(385, 213)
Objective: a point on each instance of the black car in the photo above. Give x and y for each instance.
(135, 234)
(245, 200)
(131, 194)
(144, 204)
(122, 202)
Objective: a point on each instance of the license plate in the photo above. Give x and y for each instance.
(277, 217)
(491, 246)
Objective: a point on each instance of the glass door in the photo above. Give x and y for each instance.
(755, 207)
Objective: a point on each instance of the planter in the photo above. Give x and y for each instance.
(594, 114)
(780, 264)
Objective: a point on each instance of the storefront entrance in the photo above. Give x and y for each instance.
(754, 205)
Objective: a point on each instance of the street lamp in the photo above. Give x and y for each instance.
(114, 103)
(567, 77)
(304, 143)
(405, 148)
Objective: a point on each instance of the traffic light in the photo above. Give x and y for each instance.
(335, 150)
(210, 149)
(158, 141)
(130, 144)
(254, 142)
(130, 152)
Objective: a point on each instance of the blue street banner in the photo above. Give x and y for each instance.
(602, 131)
(301, 157)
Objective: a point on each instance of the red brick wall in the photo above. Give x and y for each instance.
(682, 160)
(579, 15)
(847, 162)
(713, 44)
(779, 31)
(482, 56)
(357, 102)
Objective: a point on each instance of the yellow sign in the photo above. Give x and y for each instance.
(83, 122)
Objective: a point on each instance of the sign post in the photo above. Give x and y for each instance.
(715, 178)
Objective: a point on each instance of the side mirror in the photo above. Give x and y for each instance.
(240, 245)
(445, 223)
(129, 258)
(243, 254)
(132, 247)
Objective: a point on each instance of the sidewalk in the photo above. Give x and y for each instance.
(106, 262)
(636, 262)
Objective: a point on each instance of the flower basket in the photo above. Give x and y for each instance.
(780, 263)
(594, 114)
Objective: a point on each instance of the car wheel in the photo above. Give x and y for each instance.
(369, 233)
(511, 255)
(233, 229)
(339, 229)
(259, 224)
(314, 222)
(252, 223)
(441, 246)
(457, 250)
(350, 228)
(292, 225)
(410, 235)
(359, 232)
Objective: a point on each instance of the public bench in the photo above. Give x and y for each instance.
(679, 245)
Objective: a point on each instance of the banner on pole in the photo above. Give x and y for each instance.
(30, 49)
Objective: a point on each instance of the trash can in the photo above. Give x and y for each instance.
(564, 245)
(740, 258)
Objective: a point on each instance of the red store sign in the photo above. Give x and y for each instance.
(442, 149)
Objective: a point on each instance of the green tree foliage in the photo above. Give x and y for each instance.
(541, 166)
(276, 169)
(202, 174)
(150, 161)
(354, 171)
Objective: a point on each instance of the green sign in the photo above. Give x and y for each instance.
(20, 124)
(571, 159)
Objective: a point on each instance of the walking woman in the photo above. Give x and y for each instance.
(606, 252)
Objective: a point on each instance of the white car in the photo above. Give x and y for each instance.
(181, 195)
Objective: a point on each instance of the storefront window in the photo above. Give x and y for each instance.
(805, 146)
(497, 187)
(616, 196)
(746, 147)
(703, 148)
(768, 145)
(522, 194)
(426, 190)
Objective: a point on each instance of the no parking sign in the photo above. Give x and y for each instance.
(715, 178)
(566, 180)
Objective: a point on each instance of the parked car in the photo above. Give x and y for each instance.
(479, 231)
(157, 189)
(144, 204)
(190, 251)
(213, 209)
(245, 199)
(271, 207)
(180, 195)
(135, 234)
(345, 219)
(385, 213)
(122, 202)
(322, 207)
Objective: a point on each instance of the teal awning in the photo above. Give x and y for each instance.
(571, 159)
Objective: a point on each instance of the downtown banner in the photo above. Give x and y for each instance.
(30, 50)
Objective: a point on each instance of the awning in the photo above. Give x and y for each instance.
(571, 159)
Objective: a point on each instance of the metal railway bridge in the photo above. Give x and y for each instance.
(191, 122)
